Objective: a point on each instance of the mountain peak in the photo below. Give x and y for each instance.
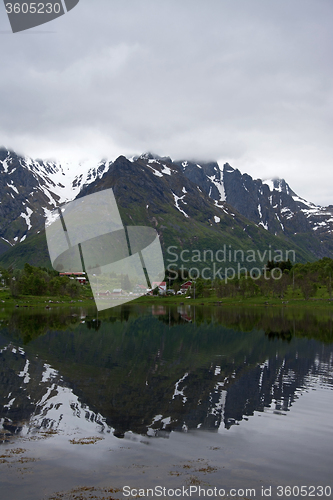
(279, 185)
(228, 168)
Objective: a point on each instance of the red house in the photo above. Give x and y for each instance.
(186, 286)
(161, 286)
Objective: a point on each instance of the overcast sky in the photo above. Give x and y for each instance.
(247, 82)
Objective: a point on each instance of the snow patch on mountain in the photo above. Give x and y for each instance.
(219, 185)
(155, 172)
(259, 210)
(13, 187)
(27, 217)
(278, 218)
(287, 213)
(166, 170)
(5, 166)
(4, 239)
(264, 225)
(177, 199)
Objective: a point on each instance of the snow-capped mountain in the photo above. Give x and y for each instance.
(30, 189)
(169, 195)
(273, 205)
(270, 203)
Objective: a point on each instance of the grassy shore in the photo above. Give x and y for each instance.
(7, 301)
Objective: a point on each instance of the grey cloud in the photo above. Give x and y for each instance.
(244, 82)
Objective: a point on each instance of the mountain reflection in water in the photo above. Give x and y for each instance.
(159, 369)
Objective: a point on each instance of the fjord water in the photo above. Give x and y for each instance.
(174, 397)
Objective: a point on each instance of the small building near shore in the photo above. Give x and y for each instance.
(160, 285)
(186, 286)
(79, 276)
(104, 294)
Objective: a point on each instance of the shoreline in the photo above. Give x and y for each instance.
(51, 302)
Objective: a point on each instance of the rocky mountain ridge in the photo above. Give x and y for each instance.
(184, 197)
(31, 189)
